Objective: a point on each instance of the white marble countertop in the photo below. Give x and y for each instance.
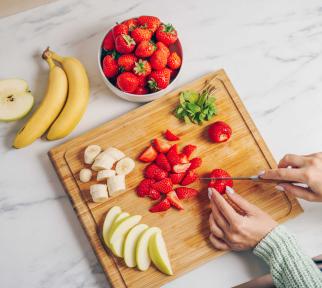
(271, 50)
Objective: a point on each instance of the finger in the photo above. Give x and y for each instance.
(293, 174)
(218, 244)
(242, 203)
(318, 155)
(292, 160)
(218, 217)
(226, 210)
(214, 228)
(298, 191)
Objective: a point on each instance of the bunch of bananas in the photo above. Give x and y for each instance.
(64, 104)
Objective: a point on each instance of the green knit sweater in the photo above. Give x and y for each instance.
(289, 266)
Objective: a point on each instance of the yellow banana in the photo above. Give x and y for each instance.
(77, 99)
(48, 109)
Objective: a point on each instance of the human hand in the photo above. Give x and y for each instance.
(305, 169)
(232, 231)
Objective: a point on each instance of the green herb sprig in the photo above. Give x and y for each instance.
(196, 107)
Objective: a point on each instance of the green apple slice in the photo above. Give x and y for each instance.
(159, 254)
(109, 219)
(118, 219)
(130, 244)
(143, 259)
(118, 234)
(15, 99)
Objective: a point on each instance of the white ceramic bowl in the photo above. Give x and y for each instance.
(140, 98)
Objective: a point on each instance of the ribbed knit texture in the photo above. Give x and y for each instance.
(289, 266)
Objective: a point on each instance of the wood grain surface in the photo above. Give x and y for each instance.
(186, 232)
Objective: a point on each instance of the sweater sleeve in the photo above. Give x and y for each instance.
(289, 266)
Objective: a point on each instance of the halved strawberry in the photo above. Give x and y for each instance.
(176, 178)
(195, 163)
(154, 194)
(148, 155)
(170, 136)
(189, 149)
(190, 177)
(161, 146)
(183, 158)
(163, 162)
(174, 200)
(161, 206)
(220, 185)
(173, 155)
(144, 187)
(186, 192)
(181, 168)
(152, 171)
(163, 186)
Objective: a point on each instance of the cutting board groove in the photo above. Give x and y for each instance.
(186, 233)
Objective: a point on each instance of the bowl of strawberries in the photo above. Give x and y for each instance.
(140, 58)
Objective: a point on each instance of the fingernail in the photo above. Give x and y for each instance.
(210, 191)
(230, 190)
(260, 173)
(279, 188)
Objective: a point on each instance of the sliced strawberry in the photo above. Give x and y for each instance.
(195, 163)
(183, 158)
(173, 155)
(181, 168)
(174, 200)
(163, 186)
(152, 171)
(189, 149)
(144, 187)
(190, 177)
(148, 155)
(161, 206)
(176, 178)
(161, 146)
(220, 185)
(154, 194)
(162, 162)
(186, 192)
(170, 136)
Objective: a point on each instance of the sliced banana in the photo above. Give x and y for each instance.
(85, 175)
(105, 174)
(98, 192)
(124, 166)
(102, 163)
(116, 184)
(114, 153)
(91, 153)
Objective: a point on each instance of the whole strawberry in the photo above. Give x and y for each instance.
(140, 34)
(141, 91)
(131, 24)
(142, 68)
(142, 80)
(127, 82)
(158, 60)
(219, 132)
(150, 22)
(174, 61)
(167, 34)
(110, 67)
(163, 48)
(120, 29)
(145, 49)
(124, 44)
(126, 62)
(220, 185)
(159, 79)
(108, 42)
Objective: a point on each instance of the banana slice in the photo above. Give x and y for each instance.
(104, 174)
(102, 163)
(114, 153)
(116, 184)
(98, 192)
(85, 175)
(124, 166)
(91, 153)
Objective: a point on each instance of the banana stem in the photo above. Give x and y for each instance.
(50, 54)
(50, 62)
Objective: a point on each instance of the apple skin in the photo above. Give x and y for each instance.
(110, 217)
(159, 254)
(118, 218)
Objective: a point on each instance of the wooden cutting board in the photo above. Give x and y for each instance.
(186, 233)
